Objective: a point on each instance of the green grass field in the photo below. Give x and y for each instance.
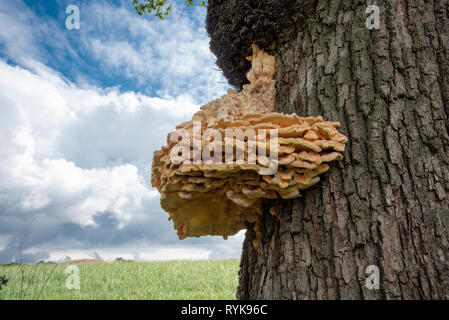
(209, 279)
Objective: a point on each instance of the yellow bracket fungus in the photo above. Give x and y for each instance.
(218, 195)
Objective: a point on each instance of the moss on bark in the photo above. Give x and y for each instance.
(234, 25)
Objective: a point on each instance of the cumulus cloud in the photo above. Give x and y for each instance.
(81, 115)
(116, 46)
(38, 174)
(75, 168)
(175, 51)
(142, 253)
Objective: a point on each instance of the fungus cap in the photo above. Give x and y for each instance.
(219, 195)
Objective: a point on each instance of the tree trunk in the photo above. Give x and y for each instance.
(387, 203)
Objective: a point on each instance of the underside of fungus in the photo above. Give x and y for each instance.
(218, 195)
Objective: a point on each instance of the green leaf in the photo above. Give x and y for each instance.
(158, 8)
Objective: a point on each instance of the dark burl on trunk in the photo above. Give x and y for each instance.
(387, 203)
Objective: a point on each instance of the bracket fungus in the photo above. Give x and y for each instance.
(217, 169)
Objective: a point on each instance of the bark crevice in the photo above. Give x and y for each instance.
(387, 202)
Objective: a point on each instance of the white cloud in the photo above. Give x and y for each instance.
(174, 53)
(168, 57)
(141, 253)
(16, 30)
(39, 108)
(4, 240)
(70, 154)
(75, 157)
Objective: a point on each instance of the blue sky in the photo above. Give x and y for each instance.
(82, 112)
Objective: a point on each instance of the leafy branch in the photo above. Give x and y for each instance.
(3, 281)
(159, 8)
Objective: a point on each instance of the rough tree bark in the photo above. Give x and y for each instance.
(387, 203)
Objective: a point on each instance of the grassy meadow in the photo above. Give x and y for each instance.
(208, 279)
